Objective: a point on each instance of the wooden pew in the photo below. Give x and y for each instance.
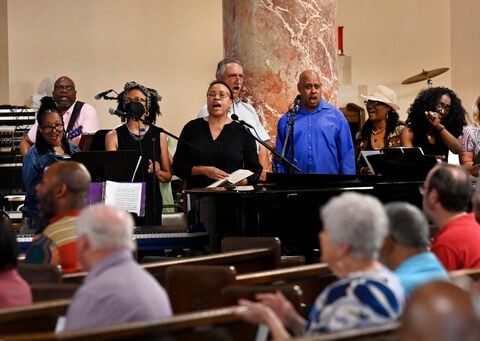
(249, 260)
(385, 332)
(311, 278)
(193, 287)
(218, 324)
(35, 317)
(473, 274)
(40, 273)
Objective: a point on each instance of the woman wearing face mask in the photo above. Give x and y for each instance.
(141, 104)
(382, 128)
(50, 146)
(435, 122)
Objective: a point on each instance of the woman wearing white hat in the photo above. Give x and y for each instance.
(382, 128)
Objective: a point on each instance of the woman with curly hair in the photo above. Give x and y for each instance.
(137, 133)
(50, 146)
(435, 122)
(382, 128)
(471, 141)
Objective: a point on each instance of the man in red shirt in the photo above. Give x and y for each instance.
(446, 194)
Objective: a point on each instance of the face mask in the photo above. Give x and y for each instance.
(134, 110)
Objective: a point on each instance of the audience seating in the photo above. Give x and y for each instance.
(473, 274)
(197, 287)
(52, 291)
(213, 324)
(244, 261)
(40, 273)
(36, 317)
(385, 332)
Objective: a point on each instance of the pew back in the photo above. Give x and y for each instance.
(35, 317)
(244, 261)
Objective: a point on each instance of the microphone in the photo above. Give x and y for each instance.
(243, 123)
(102, 94)
(296, 103)
(117, 112)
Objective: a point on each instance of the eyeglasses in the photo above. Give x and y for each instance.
(372, 103)
(444, 107)
(136, 99)
(422, 188)
(220, 94)
(58, 128)
(64, 88)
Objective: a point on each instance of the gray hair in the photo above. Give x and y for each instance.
(221, 65)
(106, 227)
(408, 225)
(358, 220)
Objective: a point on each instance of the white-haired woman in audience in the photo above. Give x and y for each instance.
(471, 141)
(366, 292)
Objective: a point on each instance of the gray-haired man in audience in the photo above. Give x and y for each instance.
(116, 289)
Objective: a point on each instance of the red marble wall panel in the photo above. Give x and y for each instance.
(276, 40)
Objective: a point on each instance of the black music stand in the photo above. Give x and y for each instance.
(401, 163)
(118, 166)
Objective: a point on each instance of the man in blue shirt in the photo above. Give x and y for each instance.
(321, 141)
(405, 249)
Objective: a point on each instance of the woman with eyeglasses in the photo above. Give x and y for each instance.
(382, 128)
(214, 146)
(50, 146)
(138, 132)
(435, 122)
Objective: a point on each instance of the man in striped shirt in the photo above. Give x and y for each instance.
(61, 195)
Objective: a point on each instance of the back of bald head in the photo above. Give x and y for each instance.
(441, 310)
(73, 174)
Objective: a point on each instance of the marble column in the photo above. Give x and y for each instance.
(276, 40)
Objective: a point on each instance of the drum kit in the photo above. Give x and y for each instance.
(426, 75)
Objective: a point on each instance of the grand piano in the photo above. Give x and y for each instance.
(287, 206)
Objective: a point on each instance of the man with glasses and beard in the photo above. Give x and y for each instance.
(78, 116)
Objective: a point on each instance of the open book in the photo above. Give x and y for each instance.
(233, 178)
(129, 196)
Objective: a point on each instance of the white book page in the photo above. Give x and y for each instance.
(127, 196)
(233, 178)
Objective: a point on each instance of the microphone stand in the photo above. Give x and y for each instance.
(276, 154)
(289, 136)
(154, 177)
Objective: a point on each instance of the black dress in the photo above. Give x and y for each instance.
(233, 149)
(143, 144)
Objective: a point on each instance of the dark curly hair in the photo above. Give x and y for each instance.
(153, 108)
(427, 101)
(393, 120)
(47, 106)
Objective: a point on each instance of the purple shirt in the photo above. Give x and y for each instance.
(117, 290)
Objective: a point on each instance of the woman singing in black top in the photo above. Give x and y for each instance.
(141, 104)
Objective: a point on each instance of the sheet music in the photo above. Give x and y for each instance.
(366, 154)
(124, 195)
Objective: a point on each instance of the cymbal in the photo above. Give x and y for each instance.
(424, 75)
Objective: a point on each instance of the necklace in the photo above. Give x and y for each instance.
(140, 137)
(375, 133)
